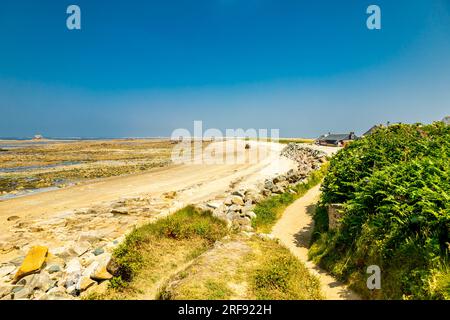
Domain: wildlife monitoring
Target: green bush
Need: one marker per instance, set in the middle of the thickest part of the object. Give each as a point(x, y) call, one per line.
point(386, 146)
point(395, 188)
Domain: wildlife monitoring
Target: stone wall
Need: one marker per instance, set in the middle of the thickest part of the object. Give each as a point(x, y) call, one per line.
point(334, 215)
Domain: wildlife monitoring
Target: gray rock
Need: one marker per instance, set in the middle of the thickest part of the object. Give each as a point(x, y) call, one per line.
point(214, 204)
point(234, 208)
point(25, 281)
point(250, 214)
point(20, 293)
point(120, 210)
point(17, 261)
point(90, 269)
point(6, 270)
point(85, 283)
point(113, 267)
point(237, 200)
point(63, 252)
point(277, 189)
point(269, 185)
point(89, 236)
point(40, 281)
point(254, 198)
point(72, 290)
point(239, 193)
point(53, 268)
point(85, 211)
point(98, 251)
point(73, 273)
point(80, 248)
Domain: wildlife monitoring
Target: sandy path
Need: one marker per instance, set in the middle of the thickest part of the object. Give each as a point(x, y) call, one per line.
point(294, 229)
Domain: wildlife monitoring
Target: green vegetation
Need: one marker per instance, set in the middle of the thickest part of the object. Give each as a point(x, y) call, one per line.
point(152, 251)
point(256, 269)
point(270, 210)
point(281, 276)
point(395, 187)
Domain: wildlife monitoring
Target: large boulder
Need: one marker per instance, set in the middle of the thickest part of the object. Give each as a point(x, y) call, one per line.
point(73, 273)
point(33, 262)
point(100, 272)
point(237, 200)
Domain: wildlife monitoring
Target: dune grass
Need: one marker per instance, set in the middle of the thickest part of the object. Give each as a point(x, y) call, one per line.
point(258, 269)
point(154, 251)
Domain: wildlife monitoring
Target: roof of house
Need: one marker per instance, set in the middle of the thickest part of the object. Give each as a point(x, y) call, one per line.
point(371, 130)
point(446, 120)
point(335, 136)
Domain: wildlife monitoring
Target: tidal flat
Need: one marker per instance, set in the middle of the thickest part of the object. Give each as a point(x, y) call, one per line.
point(28, 166)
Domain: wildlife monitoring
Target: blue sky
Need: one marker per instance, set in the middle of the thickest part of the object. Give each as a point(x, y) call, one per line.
point(145, 68)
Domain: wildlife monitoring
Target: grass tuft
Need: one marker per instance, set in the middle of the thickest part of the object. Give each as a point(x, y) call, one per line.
point(152, 251)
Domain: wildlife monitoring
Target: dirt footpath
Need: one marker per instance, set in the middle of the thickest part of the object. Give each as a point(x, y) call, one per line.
point(294, 229)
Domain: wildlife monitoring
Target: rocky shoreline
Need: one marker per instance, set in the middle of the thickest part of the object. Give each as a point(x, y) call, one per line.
point(237, 207)
point(82, 264)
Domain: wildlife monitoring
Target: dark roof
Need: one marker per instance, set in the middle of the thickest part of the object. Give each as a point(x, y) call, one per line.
point(371, 130)
point(337, 137)
point(446, 120)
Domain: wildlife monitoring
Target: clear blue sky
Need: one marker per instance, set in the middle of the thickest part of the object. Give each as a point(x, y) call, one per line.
point(145, 68)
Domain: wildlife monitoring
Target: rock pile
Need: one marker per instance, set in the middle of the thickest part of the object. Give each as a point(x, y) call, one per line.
point(61, 274)
point(307, 158)
point(237, 207)
point(44, 270)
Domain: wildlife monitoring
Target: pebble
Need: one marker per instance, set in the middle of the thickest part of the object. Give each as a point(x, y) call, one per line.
point(53, 268)
point(98, 251)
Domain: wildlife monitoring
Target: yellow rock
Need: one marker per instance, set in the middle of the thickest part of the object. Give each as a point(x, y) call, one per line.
point(33, 262)
point(96, 290)
point(101, 273)
point(86, 283)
